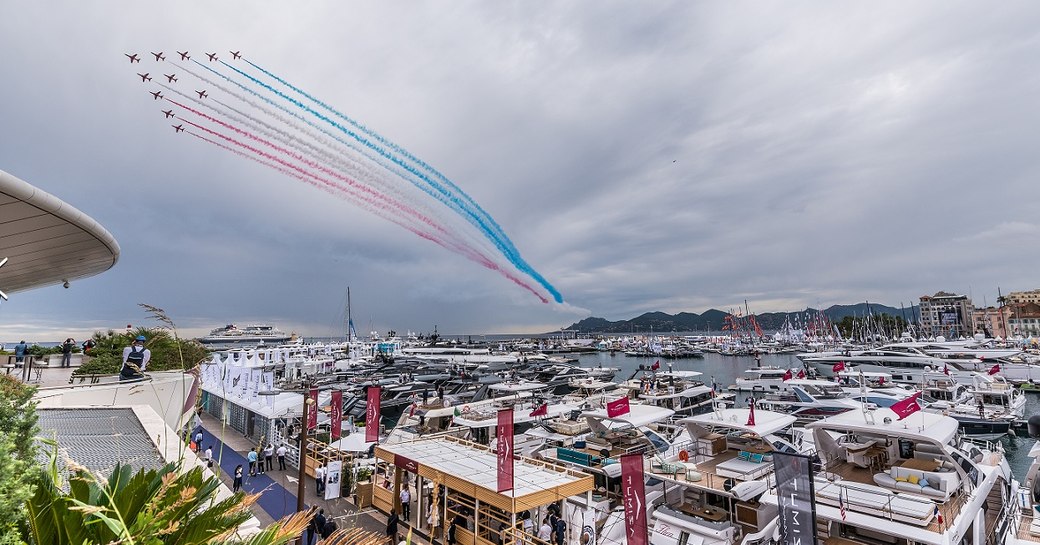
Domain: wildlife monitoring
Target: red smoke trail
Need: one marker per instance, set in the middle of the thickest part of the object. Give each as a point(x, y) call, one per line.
point(379, 211)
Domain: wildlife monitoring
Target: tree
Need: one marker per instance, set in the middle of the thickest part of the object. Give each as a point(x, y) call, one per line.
point(17, 453)
point(147, 507)
point(168, 351)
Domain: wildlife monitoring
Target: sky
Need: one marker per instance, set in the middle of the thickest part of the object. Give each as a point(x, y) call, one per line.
point(665, 156)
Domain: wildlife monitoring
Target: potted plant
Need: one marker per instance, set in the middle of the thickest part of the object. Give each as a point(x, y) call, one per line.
point(363, 489)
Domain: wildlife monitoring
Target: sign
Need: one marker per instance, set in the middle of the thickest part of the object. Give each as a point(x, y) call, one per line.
point(372, 414)
point(633, 495)
point(618, 407)
point(337, 414)
point(795, 495)
point(406, 464)
point(312, 409)
point(504, 433)
point(333, 476)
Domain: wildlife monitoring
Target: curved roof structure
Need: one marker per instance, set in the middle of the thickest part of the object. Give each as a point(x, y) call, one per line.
point(46, 240)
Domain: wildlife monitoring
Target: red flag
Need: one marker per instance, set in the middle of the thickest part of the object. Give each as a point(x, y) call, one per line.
point(618, 407)
point(542, 410)
point(801, 373)
point(995, 369)
point(880, 381)
point(337, 414)
point(946, 369)
point(656, 365)
point(372, 414)
point(751, 415)
point(505, 449)
point(838, 367)
point(907, 406)
point(633, 495)
point(787, 376)
point(312, 409)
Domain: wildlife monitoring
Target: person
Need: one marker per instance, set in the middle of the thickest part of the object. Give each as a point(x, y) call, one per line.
point(450, 537)
point(88, 345)
point(527, 524)
point(209, 456)
point(19, 352)
point(982, 408)
point(237, 485)
point(281, 457)
point(406, 503)
point(252, 462)
point(319, 478)
point(561, 530)
point(66, 352)
point(328, 528)
point(198, 440)
point(259, 462)
point(545, 530)
point(391, 524)
point(316, 526)
point(269, 456)
point(135, 360)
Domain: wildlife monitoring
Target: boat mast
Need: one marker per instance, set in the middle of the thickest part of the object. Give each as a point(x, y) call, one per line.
point(350, 322)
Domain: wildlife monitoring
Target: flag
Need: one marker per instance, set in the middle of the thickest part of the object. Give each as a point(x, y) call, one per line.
point(938, 515)
point(312, 409)
point(907, 406)
point(841, 506)
point(633, 494)
point(457, 412)
point(787, 376)
point(337, 414)
point(542, 410)
point(618, 407)
point(504, 433)
point(801, 373)
point(881, 381)
point(946, 369)
point(995, 369)
point(656, 365)
point(751, 415)
point(372, 414)
point(838, 367)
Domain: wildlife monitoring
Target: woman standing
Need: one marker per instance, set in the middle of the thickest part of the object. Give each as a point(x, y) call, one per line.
point(238, 479)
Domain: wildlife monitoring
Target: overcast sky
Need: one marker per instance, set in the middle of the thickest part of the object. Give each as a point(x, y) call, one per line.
point(641, 156)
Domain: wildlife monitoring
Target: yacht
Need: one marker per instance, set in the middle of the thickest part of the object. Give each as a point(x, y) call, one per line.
point(809, 399)
point(911, 481)
point(904, 362)
point(766, 379)
point(247, 336)
point(1027, 519)
point(679, 391)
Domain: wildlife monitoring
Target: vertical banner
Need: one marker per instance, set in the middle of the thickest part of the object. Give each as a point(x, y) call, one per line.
point(633, 495)
point(372, 414)
point(504, 433)
point(795, 493)
point(337, 414)
point(333, 473)
point(312, 409)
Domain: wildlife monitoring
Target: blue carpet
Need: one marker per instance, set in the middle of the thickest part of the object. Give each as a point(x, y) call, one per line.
point(275, 499)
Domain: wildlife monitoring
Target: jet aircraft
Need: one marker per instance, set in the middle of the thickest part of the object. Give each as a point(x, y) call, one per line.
point(158, 56)
point(178, 128)
point(212, 56)
point(144, 77)
point(169, 113)
point(170, 78)
point(236, 55)
point(202, 94)
point(184, 56)
point(133, 58)
point(156, 95)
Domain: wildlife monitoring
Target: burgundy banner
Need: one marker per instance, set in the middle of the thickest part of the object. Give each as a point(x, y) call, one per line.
point(634, 496)
point(312, 409)
point(406, 464)
point(337, 414)
point(618, 407)
point(372, 414)
point(505, 449)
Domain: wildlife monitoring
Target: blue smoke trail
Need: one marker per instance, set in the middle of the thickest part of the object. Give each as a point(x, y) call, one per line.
point(453, 202)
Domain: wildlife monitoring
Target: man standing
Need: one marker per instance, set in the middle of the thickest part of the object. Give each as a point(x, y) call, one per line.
point(252, 462)
point(135, 360)
point(319, 478)
point(66, 352)
point(406, 504)
point(316, 526)
point(281, 457)
point(259, 462)
point(198, 440)
point(19, 352)
point(269, 456)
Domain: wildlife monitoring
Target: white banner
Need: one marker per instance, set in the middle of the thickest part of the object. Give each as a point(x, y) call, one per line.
point(333, 477)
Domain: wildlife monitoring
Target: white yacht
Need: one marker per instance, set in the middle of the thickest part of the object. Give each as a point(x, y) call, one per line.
point(246, 336)
point(766, 379)
point(905, 362)
point(909, 481)
point(679, 391)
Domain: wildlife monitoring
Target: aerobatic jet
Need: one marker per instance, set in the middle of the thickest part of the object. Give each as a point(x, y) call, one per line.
point(144, 77)
point(158, 56)
point(178, 128)
point(212, 56)
point(236, 55)
point(184, 56)
point(202, 94)
point(169, 113)
point(156, 94)
point(133, 58)
point(170, 78)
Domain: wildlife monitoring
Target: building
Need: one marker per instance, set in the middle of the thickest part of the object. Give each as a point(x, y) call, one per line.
point(992, 321)
point(1024, 319)
point(1021, 297)
point(947, 314)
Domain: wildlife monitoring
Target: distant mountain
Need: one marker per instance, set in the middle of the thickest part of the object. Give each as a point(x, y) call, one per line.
point(713, 319)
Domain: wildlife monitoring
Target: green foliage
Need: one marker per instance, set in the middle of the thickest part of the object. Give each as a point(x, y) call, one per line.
point(17, 453)
point(168, 352)
point(863, 327)
point(149, 507)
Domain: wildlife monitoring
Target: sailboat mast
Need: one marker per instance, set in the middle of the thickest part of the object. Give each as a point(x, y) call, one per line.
point(349, 321)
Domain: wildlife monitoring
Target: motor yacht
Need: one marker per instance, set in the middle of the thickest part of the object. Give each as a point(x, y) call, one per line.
point(904, 362)
point(766, 379)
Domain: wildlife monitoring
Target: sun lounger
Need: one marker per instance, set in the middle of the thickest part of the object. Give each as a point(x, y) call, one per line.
point(865, 498)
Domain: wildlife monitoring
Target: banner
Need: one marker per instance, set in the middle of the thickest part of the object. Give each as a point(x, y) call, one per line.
point(337, 414)
point(795, 493)
point(633, 495)
point(504, 433)
point(333, 476)
point(372, 414)
point(618, 407)
point(312, 409)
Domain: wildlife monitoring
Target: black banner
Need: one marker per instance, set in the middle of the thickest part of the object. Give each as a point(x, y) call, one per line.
point(795, 494)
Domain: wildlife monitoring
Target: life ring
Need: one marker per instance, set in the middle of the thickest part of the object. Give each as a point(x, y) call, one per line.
point(684, 456)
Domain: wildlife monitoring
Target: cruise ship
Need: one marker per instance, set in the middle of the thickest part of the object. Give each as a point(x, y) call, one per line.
point(251, 335)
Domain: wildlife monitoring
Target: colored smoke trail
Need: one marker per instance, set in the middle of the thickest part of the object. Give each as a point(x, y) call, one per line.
point(449, 199)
